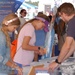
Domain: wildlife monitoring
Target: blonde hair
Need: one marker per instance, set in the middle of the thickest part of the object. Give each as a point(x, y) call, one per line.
point(12, 19)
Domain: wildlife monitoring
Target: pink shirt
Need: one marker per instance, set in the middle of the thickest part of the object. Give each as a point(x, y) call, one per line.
point(25, 57)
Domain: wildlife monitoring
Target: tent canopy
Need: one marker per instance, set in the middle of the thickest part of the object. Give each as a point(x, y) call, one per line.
point(27, 5)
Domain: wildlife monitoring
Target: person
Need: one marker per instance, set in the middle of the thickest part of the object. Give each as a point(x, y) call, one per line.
point(23, 13)
point(66, 12)
point(40, 38)
point(49, 41)
point(60, 32)
point(26, 40)
point(9, 24)
point(60, 29)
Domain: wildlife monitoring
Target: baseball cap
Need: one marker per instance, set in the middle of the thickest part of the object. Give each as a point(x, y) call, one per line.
point(45, 22)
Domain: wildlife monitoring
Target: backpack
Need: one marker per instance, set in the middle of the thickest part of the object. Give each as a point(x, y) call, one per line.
point(13, 49)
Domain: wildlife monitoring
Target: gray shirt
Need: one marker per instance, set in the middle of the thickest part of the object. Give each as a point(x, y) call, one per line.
point(71, 28)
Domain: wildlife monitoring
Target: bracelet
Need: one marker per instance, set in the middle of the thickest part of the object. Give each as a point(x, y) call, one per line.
point(57, 61)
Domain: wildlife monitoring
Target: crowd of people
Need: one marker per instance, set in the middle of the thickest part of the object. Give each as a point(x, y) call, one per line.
point(36, 39)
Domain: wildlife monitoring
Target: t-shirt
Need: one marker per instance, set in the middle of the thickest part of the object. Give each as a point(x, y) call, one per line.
point(71, 28)
point(40, 37)
point(25, 57)
point(22, 20)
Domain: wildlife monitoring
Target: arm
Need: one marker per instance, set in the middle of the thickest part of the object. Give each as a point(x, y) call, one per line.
point(5, 55)
point(35, 57)
point(15, 66)
point(27, 46)
point(65, 49)
point(72, 49)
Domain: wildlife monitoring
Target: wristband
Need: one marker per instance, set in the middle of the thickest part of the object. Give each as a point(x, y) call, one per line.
point(38, 48)
point(57, 61)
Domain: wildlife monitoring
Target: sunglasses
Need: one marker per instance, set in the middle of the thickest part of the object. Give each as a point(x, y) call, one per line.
point(25, 12)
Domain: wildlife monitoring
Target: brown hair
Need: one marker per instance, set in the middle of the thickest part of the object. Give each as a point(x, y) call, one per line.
point(44, 17)
point(66, 8)
point(39, 15)
point(14, 22)
point(22, 11)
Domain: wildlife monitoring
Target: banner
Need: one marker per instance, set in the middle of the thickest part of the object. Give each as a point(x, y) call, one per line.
point(5, 8)
point(17, 4)
point(8, 6)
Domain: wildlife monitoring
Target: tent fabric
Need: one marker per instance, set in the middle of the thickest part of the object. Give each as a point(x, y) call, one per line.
point(26, 6)
point(29, 5)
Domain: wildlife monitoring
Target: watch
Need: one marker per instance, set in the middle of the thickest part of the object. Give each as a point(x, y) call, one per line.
point(57, 61)
point(38, 48)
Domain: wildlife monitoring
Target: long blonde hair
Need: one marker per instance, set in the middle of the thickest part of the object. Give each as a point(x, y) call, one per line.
point(14, 20)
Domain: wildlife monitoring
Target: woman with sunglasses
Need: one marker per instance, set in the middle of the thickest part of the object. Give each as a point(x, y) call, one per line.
point(23, 13)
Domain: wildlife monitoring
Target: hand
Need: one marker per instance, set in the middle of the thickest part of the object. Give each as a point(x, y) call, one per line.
point(45, 50)
point(42, 51)
point(37, 52)
point(53, 66)
point(19, 71)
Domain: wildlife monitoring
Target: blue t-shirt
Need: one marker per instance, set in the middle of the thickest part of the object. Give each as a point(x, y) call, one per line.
point(40, 37)
point(71, 28)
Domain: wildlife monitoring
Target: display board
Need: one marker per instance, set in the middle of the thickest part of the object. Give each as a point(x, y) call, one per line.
point(5, 8)
point(8, 6)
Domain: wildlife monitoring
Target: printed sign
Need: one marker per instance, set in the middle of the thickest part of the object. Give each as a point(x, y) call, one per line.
point(8, 6)
point(5, 8)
